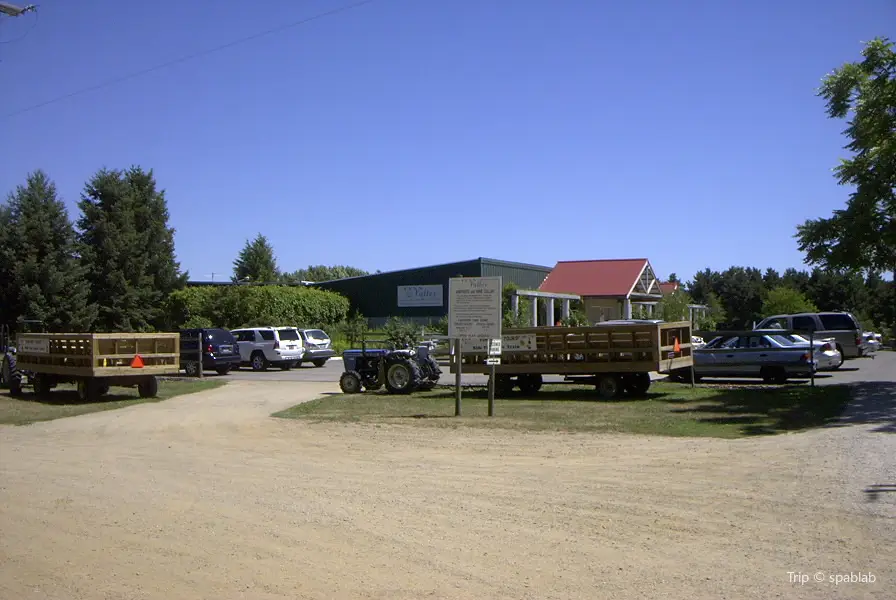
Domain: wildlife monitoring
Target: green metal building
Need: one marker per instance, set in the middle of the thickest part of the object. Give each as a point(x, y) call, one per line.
point(421, 294)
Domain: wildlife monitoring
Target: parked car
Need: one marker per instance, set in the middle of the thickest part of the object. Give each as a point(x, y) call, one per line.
point(220, 351)
point(870, 343)
point(262, 347)
point(827, 355)
point(318, 347)
point(842, 326)
point(762, 354)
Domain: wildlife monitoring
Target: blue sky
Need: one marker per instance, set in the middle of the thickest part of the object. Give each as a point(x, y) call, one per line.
point(408, 132)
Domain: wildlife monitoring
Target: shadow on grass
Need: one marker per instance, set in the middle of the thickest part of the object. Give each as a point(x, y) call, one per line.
point(770, 410)
point(69, 397)
point(573, 394)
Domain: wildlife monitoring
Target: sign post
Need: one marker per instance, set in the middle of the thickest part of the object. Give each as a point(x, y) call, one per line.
point(474, 312)
point(494, 358)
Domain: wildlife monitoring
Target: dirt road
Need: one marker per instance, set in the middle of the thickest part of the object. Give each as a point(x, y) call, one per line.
point(206, 496)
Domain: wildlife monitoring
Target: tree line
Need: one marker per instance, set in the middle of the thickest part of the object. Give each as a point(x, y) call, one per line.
point(257, 263)
point(114, 267)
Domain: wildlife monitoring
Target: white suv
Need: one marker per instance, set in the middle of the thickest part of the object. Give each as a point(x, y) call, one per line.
point(261, 347)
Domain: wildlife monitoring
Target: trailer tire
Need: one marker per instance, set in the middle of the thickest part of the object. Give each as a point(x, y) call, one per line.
point(149, 387)
point(637, 384)
point(609, 387)
point(503, 386)
point(11, 375)
point(88, 390)
point(530, 383)
point(42, 384)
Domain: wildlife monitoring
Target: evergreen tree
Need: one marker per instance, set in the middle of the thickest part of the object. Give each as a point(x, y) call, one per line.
point(256, 262)
point(128, 249)
point(9, 309)
point(47, 279)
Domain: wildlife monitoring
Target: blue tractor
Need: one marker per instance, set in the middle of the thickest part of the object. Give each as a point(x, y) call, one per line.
point(401, 371)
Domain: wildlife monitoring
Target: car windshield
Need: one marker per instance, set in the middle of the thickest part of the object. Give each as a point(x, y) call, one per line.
point(288, 334)
point(316, 335)
point(786, 339)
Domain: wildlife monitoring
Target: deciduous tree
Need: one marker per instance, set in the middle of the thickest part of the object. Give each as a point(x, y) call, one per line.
point(863, 234)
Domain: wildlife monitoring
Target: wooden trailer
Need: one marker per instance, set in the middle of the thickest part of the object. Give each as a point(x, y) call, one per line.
point(616, 358)
point(95, 361)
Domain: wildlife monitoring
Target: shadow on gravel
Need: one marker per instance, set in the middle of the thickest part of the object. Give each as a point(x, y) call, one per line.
point(873, 492)
point(873, 403)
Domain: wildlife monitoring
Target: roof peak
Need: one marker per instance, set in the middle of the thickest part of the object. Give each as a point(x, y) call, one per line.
point(591, 260)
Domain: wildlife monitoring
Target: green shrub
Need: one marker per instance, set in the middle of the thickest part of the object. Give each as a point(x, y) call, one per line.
point(401, 333)
point(248, 306)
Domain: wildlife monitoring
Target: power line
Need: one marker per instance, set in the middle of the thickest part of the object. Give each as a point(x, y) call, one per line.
point(189, 57)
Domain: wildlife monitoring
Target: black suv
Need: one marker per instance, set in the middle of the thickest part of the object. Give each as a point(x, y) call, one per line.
point(220, 350)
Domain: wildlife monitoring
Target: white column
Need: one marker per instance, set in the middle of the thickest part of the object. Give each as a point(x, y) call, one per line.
point(627, 308)
point(550, 313)
point(564, 308)
point(515, 305)
point(534, 311)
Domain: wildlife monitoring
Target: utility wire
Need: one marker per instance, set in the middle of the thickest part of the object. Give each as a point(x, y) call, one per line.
point(189, 57)
point(27, 31)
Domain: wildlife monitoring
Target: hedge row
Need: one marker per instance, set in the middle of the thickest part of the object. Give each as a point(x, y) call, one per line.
point(251, 306)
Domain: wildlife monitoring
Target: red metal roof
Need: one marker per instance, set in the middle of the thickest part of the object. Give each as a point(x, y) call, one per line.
point(668, 287)
point(607, 277)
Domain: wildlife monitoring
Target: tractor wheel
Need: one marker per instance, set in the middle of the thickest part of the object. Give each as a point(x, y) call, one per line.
point(609, 387)
point(350, 382)
point(637, 384)
point(11, 375)
point(402, 375)
point(530, 383)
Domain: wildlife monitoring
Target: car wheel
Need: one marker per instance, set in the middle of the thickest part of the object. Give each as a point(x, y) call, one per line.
point(259, 362)
point(223, 370)
point(192, 368)
point(320, 362)
point(842, 359)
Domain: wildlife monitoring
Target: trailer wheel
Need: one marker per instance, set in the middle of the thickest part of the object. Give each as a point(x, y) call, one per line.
point(11, 375)
point(609, 386)
point(88, 390)
point(503, 386)
point(637, 383)
point(149, 387)
point(42, 384)
point(530, 383)
point(350, 382)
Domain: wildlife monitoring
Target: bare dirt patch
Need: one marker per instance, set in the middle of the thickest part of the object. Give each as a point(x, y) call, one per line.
point(207, 496)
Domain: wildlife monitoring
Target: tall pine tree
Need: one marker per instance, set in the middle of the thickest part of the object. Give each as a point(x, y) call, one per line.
point(256, 262)
point(128, 249)
point(46, 279)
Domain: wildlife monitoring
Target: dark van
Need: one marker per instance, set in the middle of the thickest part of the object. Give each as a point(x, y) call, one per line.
point(220, 352)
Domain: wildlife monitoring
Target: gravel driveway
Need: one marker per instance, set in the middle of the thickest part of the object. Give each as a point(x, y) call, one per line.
point(206, 496)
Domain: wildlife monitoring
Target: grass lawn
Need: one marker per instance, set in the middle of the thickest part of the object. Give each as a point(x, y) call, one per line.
point(63, 401)
point(668, 409)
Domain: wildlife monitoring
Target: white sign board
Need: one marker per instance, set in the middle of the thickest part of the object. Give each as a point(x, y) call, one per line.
point(420, 295)
point(494, 347)
point(509, 343)
point(33, 346)
point(474, 307)
point(493, 360)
